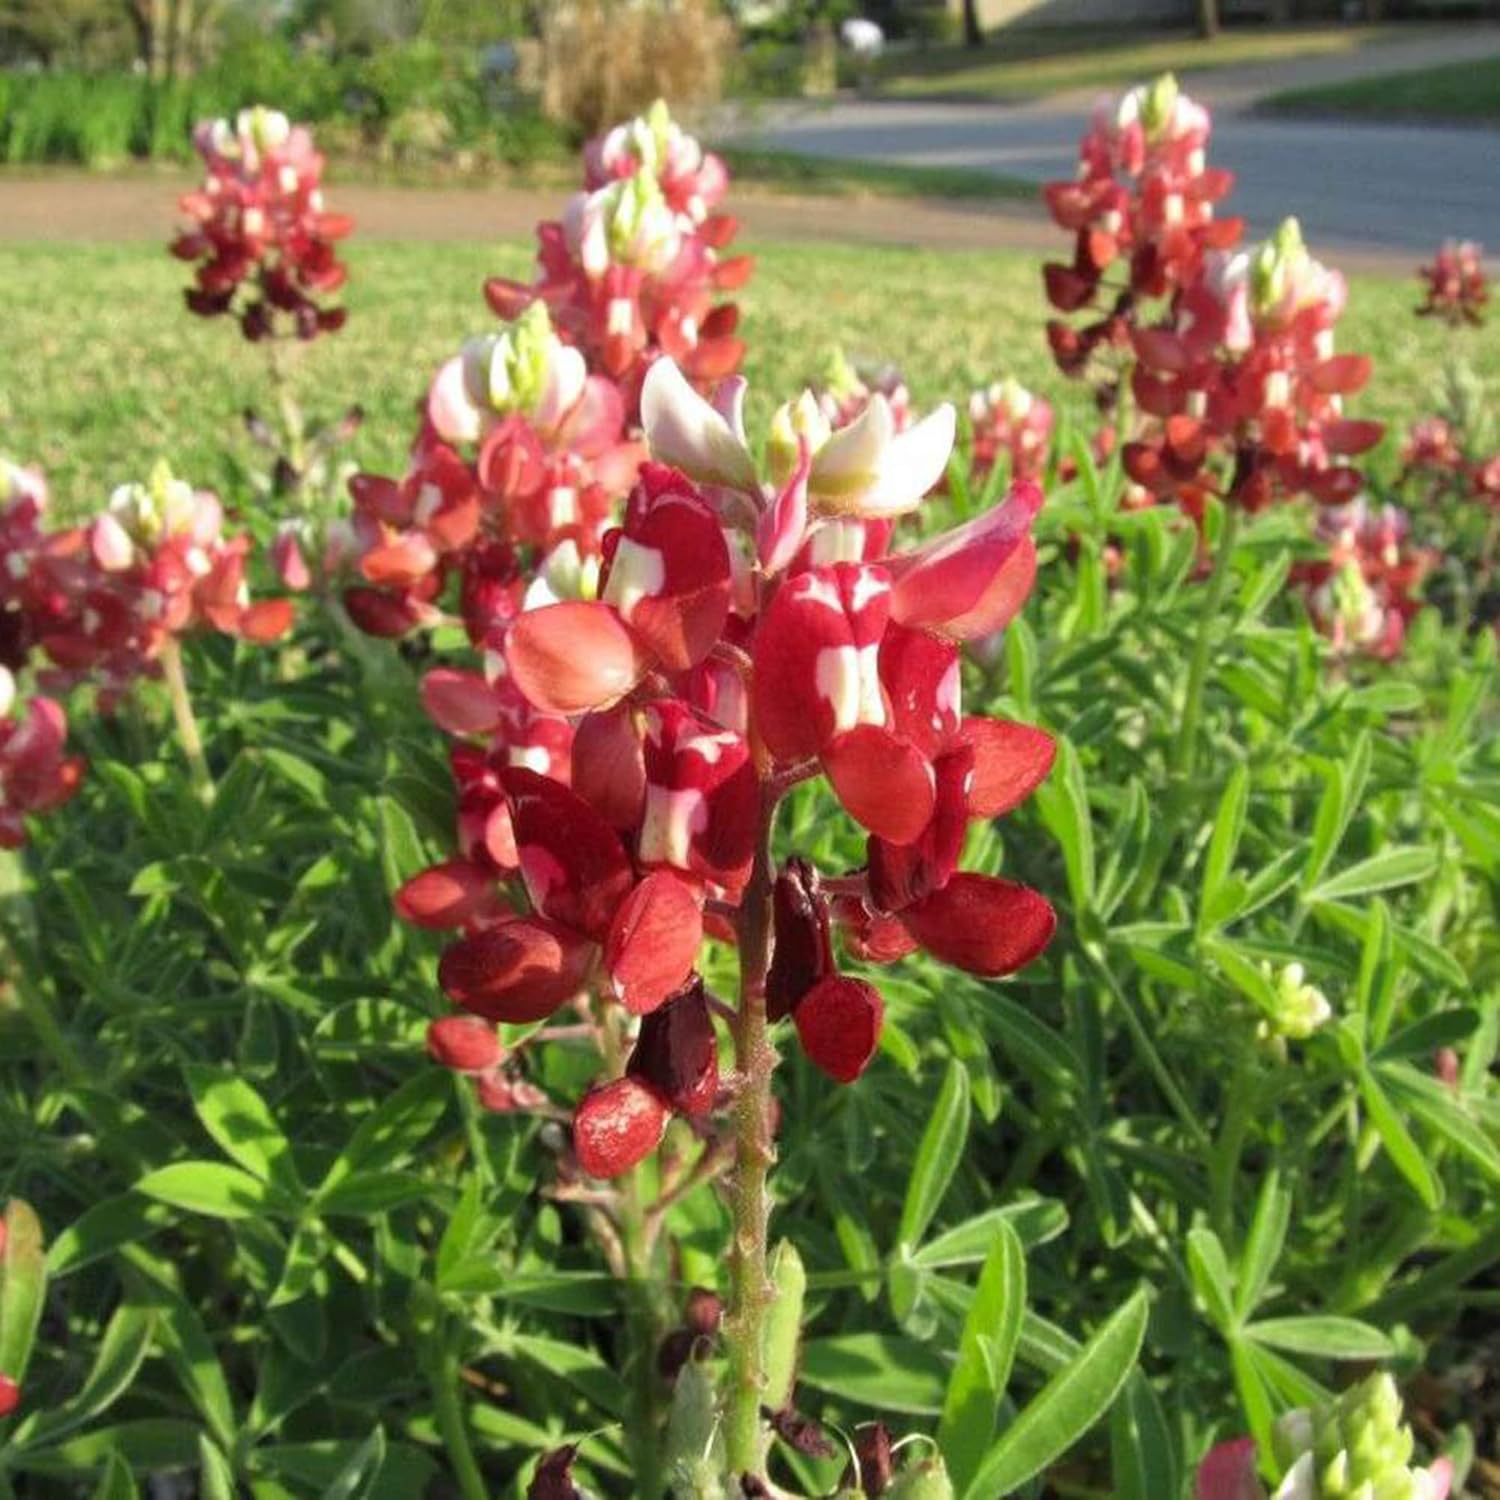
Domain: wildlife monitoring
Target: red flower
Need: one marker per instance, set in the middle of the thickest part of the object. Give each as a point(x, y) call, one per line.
point(1455, 285)
point(261, 240)
point(36, 775)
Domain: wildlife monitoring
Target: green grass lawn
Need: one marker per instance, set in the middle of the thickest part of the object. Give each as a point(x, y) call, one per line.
point(1458, 91)
point(106, 371)
point(1032, 64)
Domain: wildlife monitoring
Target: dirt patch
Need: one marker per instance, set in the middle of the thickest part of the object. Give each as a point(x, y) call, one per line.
point(113, 209)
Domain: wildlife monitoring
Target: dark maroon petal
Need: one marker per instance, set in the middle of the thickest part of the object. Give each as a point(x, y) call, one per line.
point(677, 1052)
point(575, 867)
point(803, 950)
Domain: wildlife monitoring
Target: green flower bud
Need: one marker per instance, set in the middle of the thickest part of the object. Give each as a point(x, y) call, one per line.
point(1301, 1008)
point(1159, 104)
point(783, 1326)
point(1356, 1448)
point(800, 419)
point(1276, 268)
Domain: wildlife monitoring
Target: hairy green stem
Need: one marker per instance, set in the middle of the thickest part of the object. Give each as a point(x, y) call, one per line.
point(1224, 1165)
point(187, 721)
point(1185, 747)
point(293, 423)
point(751, 1291)
point(449, 1412)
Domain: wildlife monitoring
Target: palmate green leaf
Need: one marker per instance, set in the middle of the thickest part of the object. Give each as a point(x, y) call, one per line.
point(1256, 1398)
point(1212, 1279)
point(986, 1352)
point(398, 1126)
point(1322, 1337)
point(183, 1338)
point(938, 1154)
point(215, 1476)
point(1063, 802)
point(1442, 1113)
point(1445, 1028)
point(23, 1288)
point(152, 1443)
point(1398, 866)
point(1035, 1221)
point(1067, 1406)
point(1263, 1244)
point(883, 1372)
point(369, 1193)
point(357, 1477)
point(1405, 1154)
point(125, 1344)
point(1143, 1458)
point(104, 1228)
point(1341, 794)
point(1223, 844)
point(215, 1189)
point(406, 1471)
point(242, 1125)
point(116, 1482)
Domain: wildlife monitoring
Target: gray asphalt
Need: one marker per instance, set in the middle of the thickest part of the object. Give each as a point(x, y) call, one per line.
point(1379, 187)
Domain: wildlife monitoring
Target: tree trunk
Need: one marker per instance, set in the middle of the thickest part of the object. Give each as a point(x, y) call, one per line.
point(973, 32)
point(1208, 18)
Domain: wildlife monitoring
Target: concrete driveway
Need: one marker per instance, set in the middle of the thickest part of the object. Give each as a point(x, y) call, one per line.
point(1371, 187)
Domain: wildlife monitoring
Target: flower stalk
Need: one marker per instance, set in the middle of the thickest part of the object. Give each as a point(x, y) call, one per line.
point(1185, 747)
point(187, 720)
point(755, 1058)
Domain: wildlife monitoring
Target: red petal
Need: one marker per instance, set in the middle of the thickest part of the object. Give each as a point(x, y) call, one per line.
point(968, 582)
point(982, 924)
point(519, 971)
point(653, 942)
point(568, 658)
point(1228, 1473)
point(1349, 437)
point(452, 894)
point(267, 621)
point(575, 867)
point(1010, 762)
point(464, 1043)
point(669, 576)
point(609, 771)
point(617, 1126)
point(1342, 374)
point(884, 782)
point(460, 702)
point(806, 654)
point(838, 1023)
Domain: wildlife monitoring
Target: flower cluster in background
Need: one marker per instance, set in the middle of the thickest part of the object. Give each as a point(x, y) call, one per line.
point(1141, 210)
point(262, 243)
point(1456, 288)
point(98, 604)
point(634, 267)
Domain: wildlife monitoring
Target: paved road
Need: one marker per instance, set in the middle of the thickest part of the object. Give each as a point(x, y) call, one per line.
point(1372, 187)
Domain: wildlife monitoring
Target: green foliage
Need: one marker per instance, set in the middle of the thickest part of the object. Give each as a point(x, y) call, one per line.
point(365, 103)
point(1095, 1215)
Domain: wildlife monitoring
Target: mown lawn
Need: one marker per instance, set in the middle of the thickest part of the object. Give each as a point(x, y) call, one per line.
point(105, 370)
point(1458, 91)
point(1032, 64)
